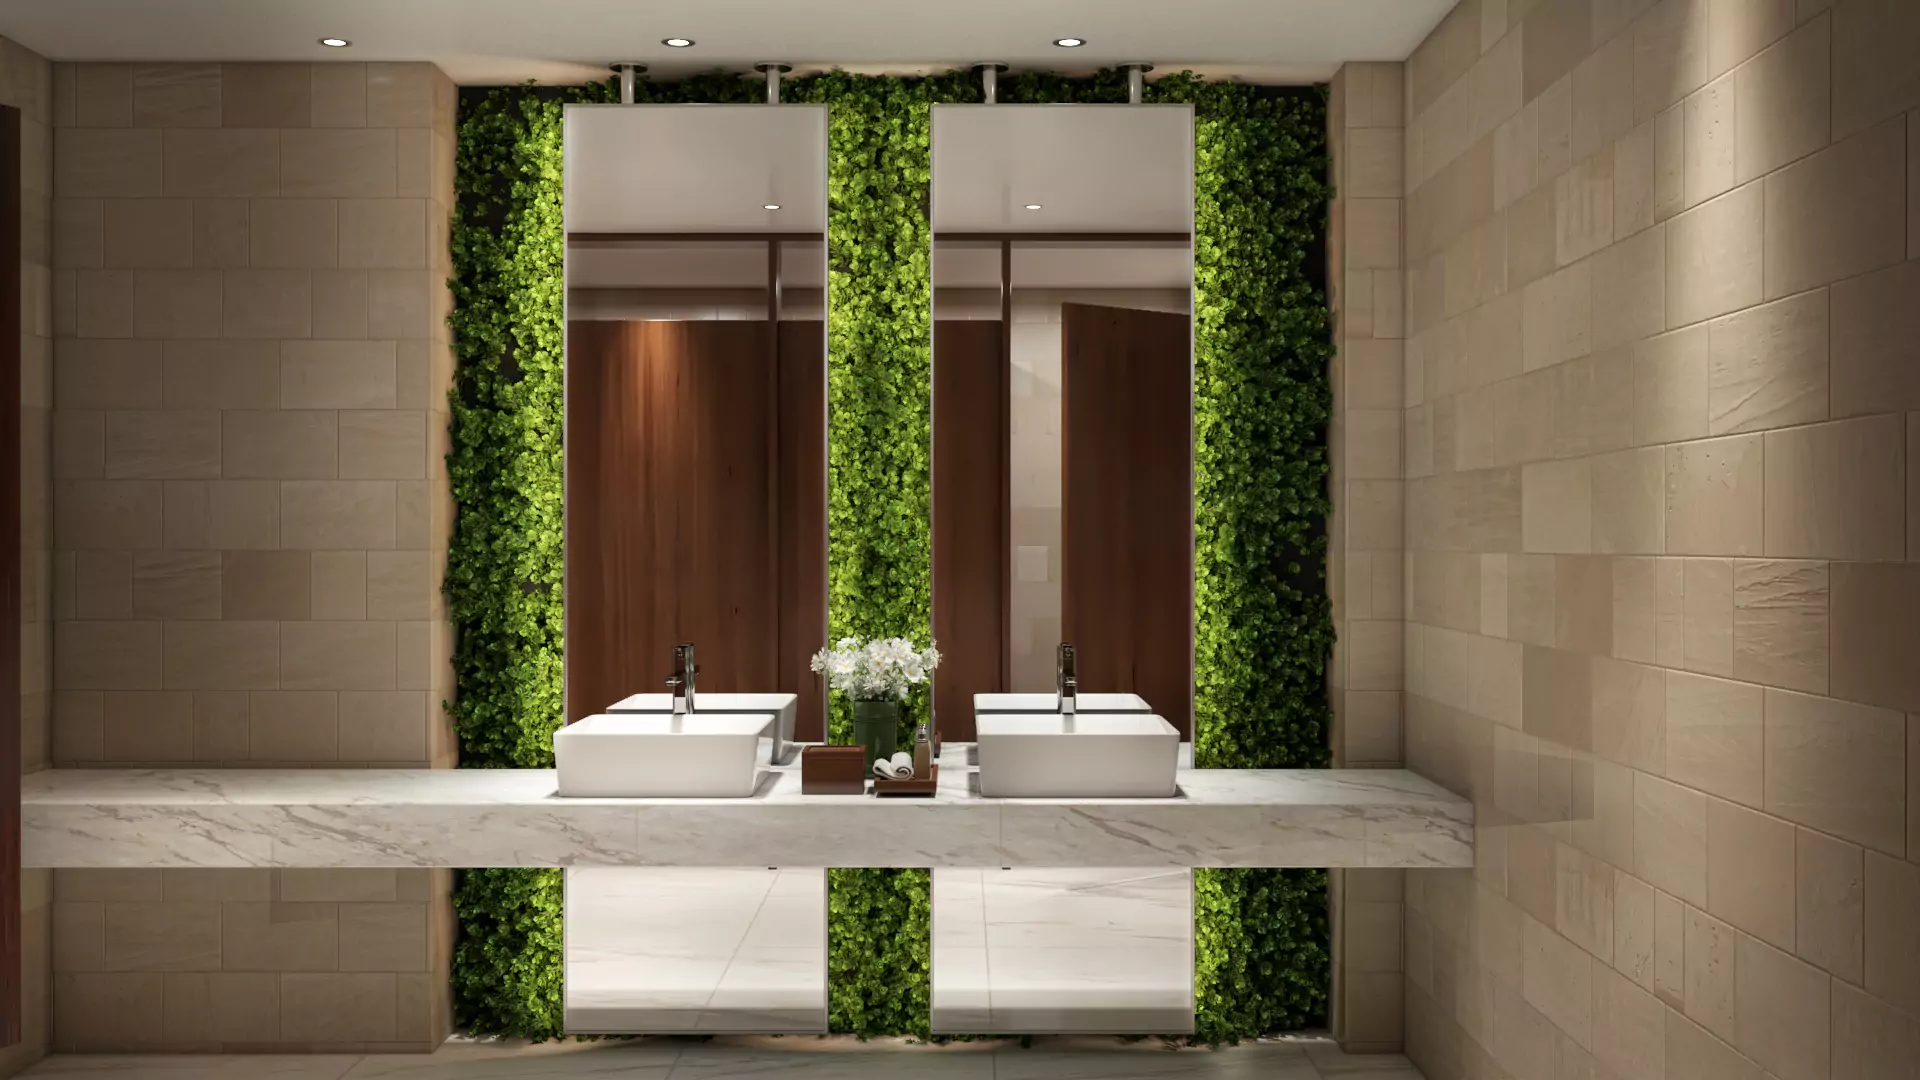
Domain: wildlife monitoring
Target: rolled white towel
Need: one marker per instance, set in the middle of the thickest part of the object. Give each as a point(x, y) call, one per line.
point(898, 767)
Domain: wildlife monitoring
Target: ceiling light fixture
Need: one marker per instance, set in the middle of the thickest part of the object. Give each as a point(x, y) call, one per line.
point(1069, 42)
point(677, 42)
point(335, 42)
point(771, 206)
point(1033, 206)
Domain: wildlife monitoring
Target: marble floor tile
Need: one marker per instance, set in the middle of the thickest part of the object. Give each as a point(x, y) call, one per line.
point(195, 1067)
point(1151, 1061)
point(637, 1063)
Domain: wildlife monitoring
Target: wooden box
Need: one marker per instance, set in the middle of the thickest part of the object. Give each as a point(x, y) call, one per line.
point(833, 770)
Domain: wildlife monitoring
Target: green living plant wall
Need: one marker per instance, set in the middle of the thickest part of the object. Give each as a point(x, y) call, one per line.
point(1262, 623)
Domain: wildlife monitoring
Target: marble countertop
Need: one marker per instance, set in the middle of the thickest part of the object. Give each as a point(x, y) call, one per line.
point(512, 817)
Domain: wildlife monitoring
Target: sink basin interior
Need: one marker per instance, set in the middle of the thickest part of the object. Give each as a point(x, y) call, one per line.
point(643, 724)
point(1050, 703)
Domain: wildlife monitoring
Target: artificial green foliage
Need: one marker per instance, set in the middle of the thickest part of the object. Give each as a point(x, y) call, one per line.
point(1262, 624)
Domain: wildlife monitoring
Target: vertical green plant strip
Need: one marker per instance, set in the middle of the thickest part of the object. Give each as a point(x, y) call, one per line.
point(1262, 622)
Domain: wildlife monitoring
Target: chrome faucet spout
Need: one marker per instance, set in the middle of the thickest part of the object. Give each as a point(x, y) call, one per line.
point(681, 681)
point(1066, 682)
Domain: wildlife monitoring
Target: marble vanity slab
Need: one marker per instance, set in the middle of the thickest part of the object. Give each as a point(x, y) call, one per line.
point(75, 818)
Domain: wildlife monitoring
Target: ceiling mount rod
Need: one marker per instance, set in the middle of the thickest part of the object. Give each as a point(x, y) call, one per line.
point(628, 70)
point(1136, 82)
point(990, 79)
point(772, 71)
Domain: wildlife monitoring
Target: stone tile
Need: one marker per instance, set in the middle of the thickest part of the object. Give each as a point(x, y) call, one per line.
point(1695, 1053)
point(1636, 610)
point(176, 936)
point(1530, 600)
point(1633, 184)
point(107, 1011)
point(1834, 491)
point(1557, 317)
point(265, 95)
point(1630, 290)
point(104, 303)
point(337, 374)
point(176, 95)
point(1629, 501)
point(1555, 979)
point(269, 303)
point(1872, 81)
point(145, 234)
point(294, 726)
point(1837, 767)
point(338, 95)
point(176, 585)
point(345, 885)
point(338, 514)
point(160, 444)
point(1670, 837)
point(1875, 322)
point(1714, 497)
point(220, 228)
point(221, 655)
point(339, 163)
point(106, 514)
point(220, 375)
point(102, 95)
point(1681, 45)
point(1709, 140)
point(1783, 1012)
point(78, 233)
point(1712, 973)
point(1373, 237)
point(210, 162)
point(280, 937)
point(227, 514)
point(1835, 214)
point(383, 937)
point(1629, 1025)
point(1714, 256)
point(1583, 604)
point(1870, 1037)
point(1783, 101)
point(399, 303)
point(177, 303)
point(281, 444)
point(1830, 904)
point(1583, 208)
point(294, 233)
point(1630, 714)
point(225, 1007)
point(1530, 238)
point(1593, 404)
point(1768, 365)
point(1874, 635)
point(106, 162)
point(340, 303)
point(265, 585)
point(391, 725)
point(1583, 904)
point(339, 585)
point(1671, 387)
point(352, 1008)
point(1893, 936)
point(1602, 95)
point(1670, 613)
point(1781, 624)
point(400, 94)
point(339, 656)
point(402, 585)
point(1556, 506)
point(151, 727)
point(1750, 871)
point(1706, 607)
point(1715, 736)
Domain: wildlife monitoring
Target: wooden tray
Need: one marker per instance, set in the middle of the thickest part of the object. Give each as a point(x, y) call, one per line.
point(915, 786)
point(833, 770)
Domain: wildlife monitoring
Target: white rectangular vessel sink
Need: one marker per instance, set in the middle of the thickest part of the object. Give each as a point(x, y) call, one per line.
point(1050, 703)
point(783, 707)
point(1087, 756)
point(707, 755)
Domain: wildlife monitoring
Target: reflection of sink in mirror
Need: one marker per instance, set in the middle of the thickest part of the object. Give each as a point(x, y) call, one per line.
point(781, 709)
point(1091, 755)
point(706, 755)
point(1050, 703)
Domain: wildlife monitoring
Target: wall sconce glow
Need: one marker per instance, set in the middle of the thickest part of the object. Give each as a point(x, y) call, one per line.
point(335, 42)
point(1033, 206)
point(1069, 42)
point(677, 42)
point(771, 206)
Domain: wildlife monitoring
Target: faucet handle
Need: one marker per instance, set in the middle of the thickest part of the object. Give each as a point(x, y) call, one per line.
point(675, 681)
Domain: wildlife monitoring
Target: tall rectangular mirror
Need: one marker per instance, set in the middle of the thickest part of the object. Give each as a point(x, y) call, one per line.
point(1063, 513)
point(695, 515)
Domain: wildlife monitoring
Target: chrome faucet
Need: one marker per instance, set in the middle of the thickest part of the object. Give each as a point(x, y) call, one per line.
point(1066, 683)
point(681, 681)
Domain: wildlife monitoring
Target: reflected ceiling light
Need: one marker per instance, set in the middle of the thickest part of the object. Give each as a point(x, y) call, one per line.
point(677, 42)
point(1069, 42)
point(335, 42)
point(1033, 206)
point(771, 206)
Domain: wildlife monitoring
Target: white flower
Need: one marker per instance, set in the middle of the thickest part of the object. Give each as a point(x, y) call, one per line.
point(877, 670)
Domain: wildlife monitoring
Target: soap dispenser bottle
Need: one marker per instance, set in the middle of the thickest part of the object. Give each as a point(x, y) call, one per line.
point(922, 753)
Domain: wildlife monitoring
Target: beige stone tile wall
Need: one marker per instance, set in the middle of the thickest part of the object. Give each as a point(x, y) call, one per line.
point(250, 521)
point(1663, 514)
point(26, 83)
point(1365, 559)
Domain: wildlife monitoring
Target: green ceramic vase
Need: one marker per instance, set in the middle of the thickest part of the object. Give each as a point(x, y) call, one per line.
point(876, 728)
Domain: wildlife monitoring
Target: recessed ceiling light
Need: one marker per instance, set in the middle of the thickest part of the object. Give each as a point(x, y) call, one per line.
point(771, 206)
point(1069, 42)
point(677, 42)
point(335, 42)
point(1033, 206)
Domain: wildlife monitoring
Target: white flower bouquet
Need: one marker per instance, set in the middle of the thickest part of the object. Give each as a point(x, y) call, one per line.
point(883, 669)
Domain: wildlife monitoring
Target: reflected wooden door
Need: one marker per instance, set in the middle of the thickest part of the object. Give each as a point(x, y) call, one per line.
point(11, 975)
point(671, 507)
point(970, 518)
point(1126, 588)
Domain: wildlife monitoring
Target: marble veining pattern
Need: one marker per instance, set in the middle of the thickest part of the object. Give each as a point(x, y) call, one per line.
point(512, 817)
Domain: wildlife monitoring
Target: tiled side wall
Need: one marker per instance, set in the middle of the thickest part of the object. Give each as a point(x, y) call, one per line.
point(1366, 545)
point(26, 83)
point(250, 521)
point(1663, 459)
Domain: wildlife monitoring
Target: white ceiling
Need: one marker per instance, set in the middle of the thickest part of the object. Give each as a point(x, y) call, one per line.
point(1090, 168)
point(481, 42)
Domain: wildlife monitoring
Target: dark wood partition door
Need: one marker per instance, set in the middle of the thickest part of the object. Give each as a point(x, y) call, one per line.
point(970, 533)
point(11, 975)
point(1127, 504)
point(672, 501)
point(802, 466)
